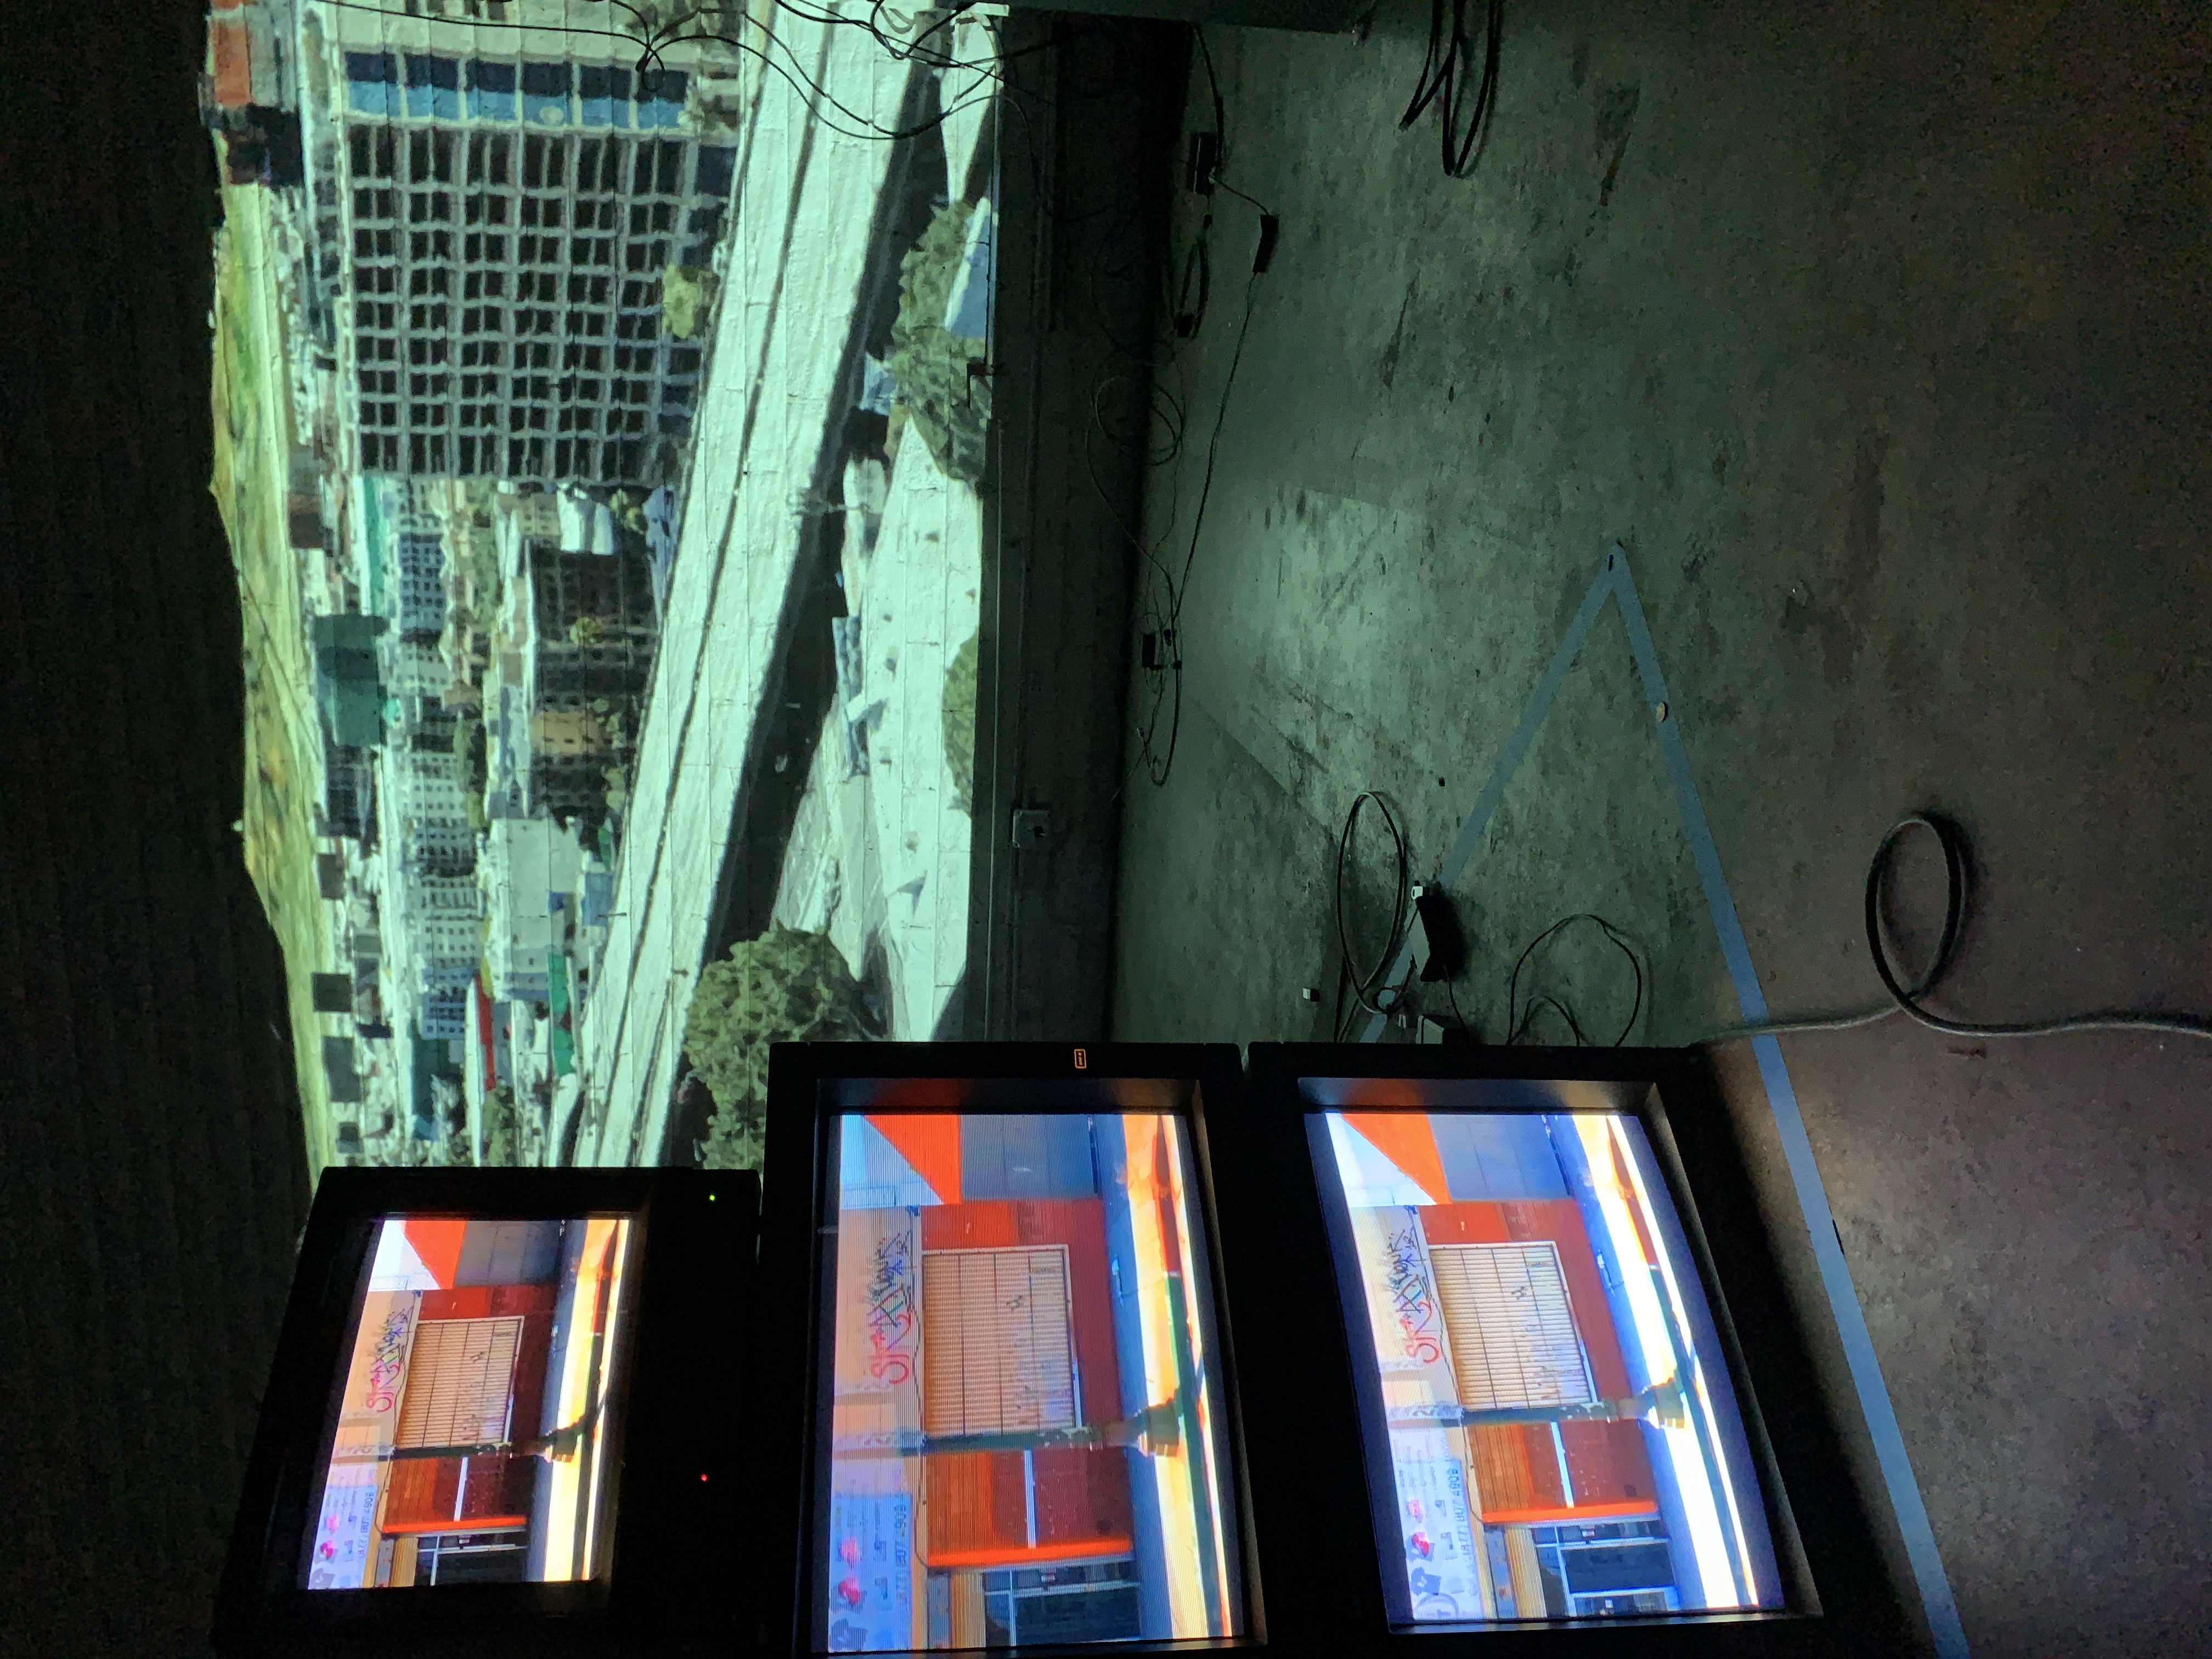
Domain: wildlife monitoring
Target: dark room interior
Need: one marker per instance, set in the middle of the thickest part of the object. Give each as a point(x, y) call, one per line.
point(1688, 441)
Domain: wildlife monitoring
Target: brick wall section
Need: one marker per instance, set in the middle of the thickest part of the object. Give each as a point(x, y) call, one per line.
point(152, 1175)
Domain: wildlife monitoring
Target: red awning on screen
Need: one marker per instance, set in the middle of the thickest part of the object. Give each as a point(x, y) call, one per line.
point(930, 1142)
point(1407, 1140)
point(437, 1245)
point(486, 1038)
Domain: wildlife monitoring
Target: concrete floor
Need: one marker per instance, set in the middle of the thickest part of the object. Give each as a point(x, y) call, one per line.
point(1878, 337)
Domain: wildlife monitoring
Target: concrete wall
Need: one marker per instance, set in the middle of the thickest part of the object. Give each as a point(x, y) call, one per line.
point(1079, 253)
point(152, 1168)
point(1879, 335)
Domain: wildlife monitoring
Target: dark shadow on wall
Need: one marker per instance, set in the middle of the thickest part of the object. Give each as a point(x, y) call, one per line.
point(152, 1169)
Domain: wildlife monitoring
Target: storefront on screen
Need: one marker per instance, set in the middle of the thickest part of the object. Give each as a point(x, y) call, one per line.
point(472, 1428)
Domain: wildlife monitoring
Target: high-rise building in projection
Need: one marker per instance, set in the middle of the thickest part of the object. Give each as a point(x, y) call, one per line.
point(499, 195)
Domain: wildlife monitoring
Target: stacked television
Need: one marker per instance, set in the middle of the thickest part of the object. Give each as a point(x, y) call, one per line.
point(1350, 1351)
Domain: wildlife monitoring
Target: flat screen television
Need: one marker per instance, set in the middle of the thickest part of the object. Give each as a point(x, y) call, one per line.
point(1534, 1289)
point(1012, 1394)
point(500, 1405)
point(482, 1401)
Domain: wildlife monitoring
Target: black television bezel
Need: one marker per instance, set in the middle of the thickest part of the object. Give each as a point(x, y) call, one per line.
point(978, 1077)
point(675, 1517)
point(1840, 1597)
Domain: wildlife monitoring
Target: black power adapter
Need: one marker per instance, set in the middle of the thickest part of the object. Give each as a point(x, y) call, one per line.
point(1440, 926)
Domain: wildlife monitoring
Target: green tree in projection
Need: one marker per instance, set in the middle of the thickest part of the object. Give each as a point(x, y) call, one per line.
point(947, 405)
point(502, 1128)
point(787, 985)
point(960, 722)
point(687, 299)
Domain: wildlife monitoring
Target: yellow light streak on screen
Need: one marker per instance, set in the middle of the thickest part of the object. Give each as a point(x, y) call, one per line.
point(1169, 1471)
point(1699, 1379)
point(1708, 1541)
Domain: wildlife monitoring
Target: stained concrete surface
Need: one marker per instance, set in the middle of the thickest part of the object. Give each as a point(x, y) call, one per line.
point(1877, 336)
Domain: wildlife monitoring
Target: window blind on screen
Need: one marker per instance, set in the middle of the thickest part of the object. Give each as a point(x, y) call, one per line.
point(1508, 1325)
point(460, 1379)
point(995, 1349)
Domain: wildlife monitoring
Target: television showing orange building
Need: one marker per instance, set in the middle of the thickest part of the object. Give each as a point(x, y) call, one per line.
point(479, 1400)
point(1028, 1430)
point(1557, 1434)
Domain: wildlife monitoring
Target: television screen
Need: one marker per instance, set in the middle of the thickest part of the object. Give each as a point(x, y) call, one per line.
point(475, 1405)
point(1026, 1434)
point(1549, 1426)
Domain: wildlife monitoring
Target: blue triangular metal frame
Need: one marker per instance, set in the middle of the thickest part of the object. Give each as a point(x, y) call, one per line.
point(1614, 581)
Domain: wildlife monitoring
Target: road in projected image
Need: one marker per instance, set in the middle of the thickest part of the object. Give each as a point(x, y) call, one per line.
point(476, 1407)
point(1549, 1418)
point(1027, 1437)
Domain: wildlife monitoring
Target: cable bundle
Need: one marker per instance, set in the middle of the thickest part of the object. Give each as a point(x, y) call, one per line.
point(1445, 73)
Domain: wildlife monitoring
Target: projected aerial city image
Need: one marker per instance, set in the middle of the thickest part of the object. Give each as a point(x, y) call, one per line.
point(476, 1406)
point(1027, 1442)
point(1558, 1437)
point(599, 439)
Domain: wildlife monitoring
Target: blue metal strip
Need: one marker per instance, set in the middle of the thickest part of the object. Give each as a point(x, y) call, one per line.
point(1509, 762)
point(1943, 1608)
point(1614, 581)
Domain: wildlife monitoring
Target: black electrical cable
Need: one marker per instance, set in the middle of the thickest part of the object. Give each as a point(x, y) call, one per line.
point(1187, 308)
point(1452, 996)
point(1517, 1020)
point(1363, 986)
point(1213, 86)
point(1160, 764)
point(653, 42)
point(1213, 443)
point(1444, 73)
point(799, 80)
point(1196, 288)
point(1398, 995)
point(1906, 1000)
point(1566, 1013)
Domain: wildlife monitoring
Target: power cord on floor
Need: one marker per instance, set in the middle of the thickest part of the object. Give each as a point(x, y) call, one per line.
point(1369, 994)
point(1517, 1019)
point(1907, 998)
point(1159, 760)
point(1161, 620)
point(1364, 987)
point(1459, 1019)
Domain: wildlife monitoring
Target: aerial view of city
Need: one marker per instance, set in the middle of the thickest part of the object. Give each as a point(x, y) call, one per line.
point(599, 424)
